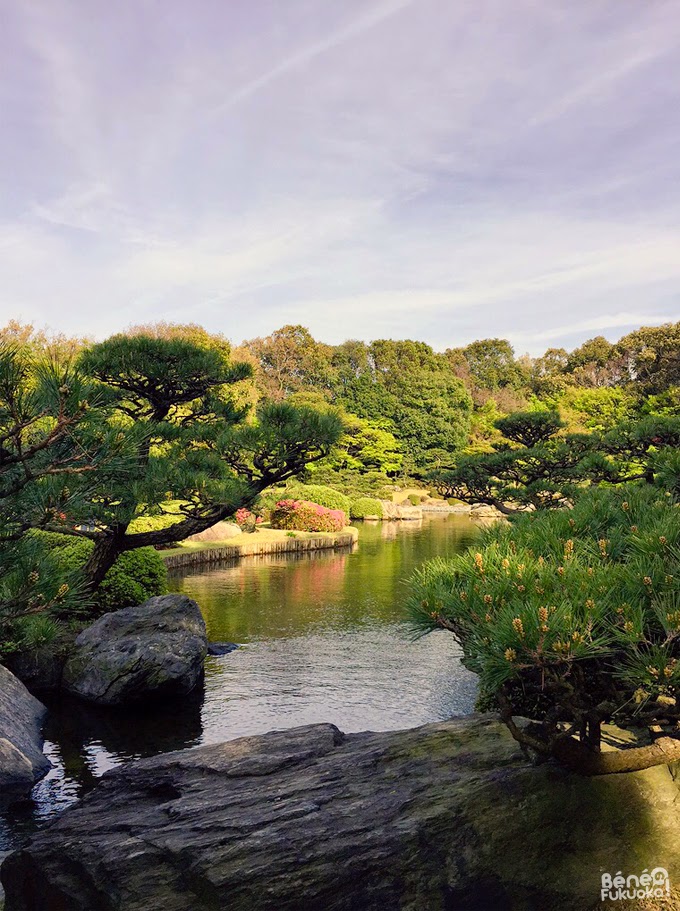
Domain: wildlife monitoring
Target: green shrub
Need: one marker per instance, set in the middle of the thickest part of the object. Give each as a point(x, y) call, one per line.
point(365, 506)
point(452, 501)
point(136, 575)
point(570, 617)
point(414, 499)
point(351, 483)
point(36, 631)
point(152, 523)
point(324, 496)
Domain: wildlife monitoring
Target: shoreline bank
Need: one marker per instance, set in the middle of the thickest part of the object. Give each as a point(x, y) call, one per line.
point(216, 552)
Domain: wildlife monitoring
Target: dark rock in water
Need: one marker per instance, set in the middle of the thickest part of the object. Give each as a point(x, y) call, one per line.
point(152, 651)
point(22, 762)
point(446, 817)
point(222, 648)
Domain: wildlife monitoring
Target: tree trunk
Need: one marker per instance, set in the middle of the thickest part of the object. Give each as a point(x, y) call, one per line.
point(106, 551)
point(585, 757)
point(585, 761)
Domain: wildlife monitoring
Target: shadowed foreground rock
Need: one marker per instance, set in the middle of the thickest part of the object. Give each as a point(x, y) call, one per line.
point(22, 761)
point(442, 817)
point(139, 653)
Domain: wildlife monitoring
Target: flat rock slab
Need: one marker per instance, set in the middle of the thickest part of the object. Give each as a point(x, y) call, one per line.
point(446, 817)
point(152, 651)
point(22, 762)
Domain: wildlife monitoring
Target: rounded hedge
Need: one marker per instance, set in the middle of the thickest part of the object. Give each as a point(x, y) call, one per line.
point(136, 575)
point(324, 496)
point(364, 507)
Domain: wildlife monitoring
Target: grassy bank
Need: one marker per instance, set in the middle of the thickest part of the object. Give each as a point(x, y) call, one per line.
point(263, 541)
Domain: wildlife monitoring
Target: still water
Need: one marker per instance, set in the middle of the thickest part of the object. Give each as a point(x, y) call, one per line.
point(323, 637)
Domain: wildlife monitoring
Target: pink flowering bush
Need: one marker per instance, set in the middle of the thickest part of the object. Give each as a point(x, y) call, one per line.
point(246, 520)
point(300, 515)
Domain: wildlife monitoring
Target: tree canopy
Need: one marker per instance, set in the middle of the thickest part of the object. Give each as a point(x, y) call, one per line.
point(572, 619)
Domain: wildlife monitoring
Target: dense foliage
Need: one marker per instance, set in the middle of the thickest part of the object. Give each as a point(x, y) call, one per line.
point(160, 432)
point(173, 398)
point(134, 577)
point(323, 496)
point(403, 397)
point(545, 471)
point(143, 440)
point(572, 618)
point(364, 507)
point(53, 449)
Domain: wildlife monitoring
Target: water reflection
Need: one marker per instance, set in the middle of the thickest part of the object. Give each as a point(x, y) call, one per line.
point(83, 742)
point(323, 638)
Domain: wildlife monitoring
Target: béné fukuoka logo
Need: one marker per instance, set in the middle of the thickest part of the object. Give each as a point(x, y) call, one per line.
point(656, 884)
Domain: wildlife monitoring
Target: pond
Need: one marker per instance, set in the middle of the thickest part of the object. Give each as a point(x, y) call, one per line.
point(323, 636)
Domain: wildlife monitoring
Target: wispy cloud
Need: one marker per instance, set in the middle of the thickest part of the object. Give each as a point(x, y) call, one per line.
point(357, 26)
point(609, 323)
point(424, 169)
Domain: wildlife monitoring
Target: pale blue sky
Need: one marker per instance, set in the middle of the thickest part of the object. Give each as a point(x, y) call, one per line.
point(432, 169)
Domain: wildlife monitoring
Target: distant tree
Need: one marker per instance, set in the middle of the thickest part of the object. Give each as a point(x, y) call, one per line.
point(53, 345)
point(651, 357)
point(595, 351)
point(549, 373)
point(491, 363)
point(595, 363)
point(290, 360)
point(596, 408)
point(407, 384)
point(544, 476)
point(545, 470)
point(366, 446)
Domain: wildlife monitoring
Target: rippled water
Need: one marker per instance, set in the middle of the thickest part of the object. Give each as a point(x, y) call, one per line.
point(323, 637)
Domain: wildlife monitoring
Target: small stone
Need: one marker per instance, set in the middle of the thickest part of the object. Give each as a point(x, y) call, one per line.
point(222, 648)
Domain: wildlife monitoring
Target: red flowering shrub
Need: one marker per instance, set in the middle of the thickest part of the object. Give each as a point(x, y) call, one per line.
point(300, 515)
point(246, 520)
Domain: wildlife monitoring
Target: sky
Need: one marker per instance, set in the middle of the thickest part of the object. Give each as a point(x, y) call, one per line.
point(444, 170)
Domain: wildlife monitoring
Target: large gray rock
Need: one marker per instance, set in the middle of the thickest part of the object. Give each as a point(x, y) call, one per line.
point(152, 651)
point(400, 511)
point(22, 762)
point(222, 531)
point(447, 817)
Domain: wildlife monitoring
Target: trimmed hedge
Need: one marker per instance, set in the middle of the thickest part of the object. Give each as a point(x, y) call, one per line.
point(365, 506)
point(136, 575)
point(324, 496)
